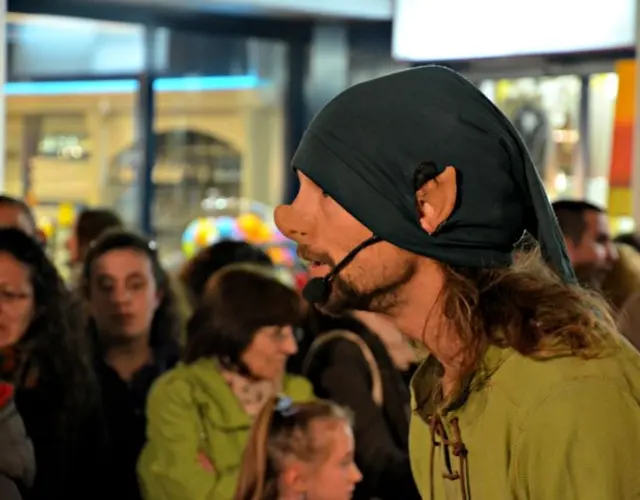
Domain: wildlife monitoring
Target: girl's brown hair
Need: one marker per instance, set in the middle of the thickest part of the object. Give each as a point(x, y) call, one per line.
point(282, 430)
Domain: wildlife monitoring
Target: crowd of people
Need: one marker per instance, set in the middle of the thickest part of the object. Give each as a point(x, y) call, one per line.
point(128, 382)
point(222, 383)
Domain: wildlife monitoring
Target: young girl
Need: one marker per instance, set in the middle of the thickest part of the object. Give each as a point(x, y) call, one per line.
point(135, 327)
point(299, 452)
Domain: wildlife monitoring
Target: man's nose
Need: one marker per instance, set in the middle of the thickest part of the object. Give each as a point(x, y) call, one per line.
point(292, 224)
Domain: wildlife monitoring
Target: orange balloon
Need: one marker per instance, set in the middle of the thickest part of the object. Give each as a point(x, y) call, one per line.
point(249, 222)
point(264, 233)
point(251, 227)
point(201, 237)
point(275, 254)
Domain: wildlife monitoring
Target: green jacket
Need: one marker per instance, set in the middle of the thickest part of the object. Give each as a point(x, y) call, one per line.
point(561, 429)
point(192, 414)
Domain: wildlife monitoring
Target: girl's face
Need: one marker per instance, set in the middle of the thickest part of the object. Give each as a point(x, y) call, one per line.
point(337, 475)
point(123, 294)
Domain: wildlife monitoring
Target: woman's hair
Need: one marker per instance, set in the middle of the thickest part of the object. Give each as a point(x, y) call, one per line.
point(238, 300)
point(526, 307)
point(54, 343)
point(623, 280)
point(284, 430)
point(166, 325)
point(631, 239)
point(197, 271)
point(91, 223)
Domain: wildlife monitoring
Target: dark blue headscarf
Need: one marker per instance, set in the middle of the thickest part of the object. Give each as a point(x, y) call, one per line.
point(364, 147)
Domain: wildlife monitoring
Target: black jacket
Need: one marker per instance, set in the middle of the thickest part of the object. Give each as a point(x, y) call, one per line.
point(69, 443)
point(339, 371)
point(124, 413)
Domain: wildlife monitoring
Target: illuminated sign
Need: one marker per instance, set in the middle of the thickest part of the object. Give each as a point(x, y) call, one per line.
point(437, 30)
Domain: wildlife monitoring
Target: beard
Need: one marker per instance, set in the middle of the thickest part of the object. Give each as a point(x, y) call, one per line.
point(383, 298)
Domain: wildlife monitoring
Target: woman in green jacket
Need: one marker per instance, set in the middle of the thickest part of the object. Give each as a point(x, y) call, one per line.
point(199, 414)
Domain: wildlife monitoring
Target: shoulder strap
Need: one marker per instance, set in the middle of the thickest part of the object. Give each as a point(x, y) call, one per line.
point(376, 378)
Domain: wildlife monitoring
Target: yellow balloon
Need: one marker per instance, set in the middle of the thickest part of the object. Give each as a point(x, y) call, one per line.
point(66, 214)
point(46, 226)
point(250, 225)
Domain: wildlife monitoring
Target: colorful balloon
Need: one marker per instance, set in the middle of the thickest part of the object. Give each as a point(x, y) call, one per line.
point(253, 228)
point(46, 226)
point(253, 223)
point(228, 228)
point(200, 233)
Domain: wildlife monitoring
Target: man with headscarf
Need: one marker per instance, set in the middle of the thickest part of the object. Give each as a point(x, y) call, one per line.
point(414, 190)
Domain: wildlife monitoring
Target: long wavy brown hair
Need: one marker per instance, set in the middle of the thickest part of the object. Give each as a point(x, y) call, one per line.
point(55, 349)
point(528, 308)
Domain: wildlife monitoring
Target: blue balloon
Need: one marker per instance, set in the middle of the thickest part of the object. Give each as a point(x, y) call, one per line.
point(227, 228)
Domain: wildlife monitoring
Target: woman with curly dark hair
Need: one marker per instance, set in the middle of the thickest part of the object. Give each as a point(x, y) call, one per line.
point(134, 326)
point(42, 353)
point(197, 271)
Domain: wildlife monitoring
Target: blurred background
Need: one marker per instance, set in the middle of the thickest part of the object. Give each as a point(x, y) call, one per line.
point(171, 111)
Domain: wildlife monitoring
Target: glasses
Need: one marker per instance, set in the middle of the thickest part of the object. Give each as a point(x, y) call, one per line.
point(283, 333)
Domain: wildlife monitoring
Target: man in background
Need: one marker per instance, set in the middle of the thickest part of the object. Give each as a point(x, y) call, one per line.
point(585, 228)
point(601, 263)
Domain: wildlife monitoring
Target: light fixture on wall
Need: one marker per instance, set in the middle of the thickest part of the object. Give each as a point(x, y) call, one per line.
point(566, 136)
point(561, 183)
point(611, 86)
point(185, 84)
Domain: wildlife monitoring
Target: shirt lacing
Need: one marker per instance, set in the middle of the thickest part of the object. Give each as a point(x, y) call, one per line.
point(453, 447)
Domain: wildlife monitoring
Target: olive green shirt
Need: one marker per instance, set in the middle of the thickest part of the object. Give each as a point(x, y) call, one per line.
point(561, 429)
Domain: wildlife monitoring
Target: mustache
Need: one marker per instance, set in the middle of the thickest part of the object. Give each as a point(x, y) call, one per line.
point(307, 254)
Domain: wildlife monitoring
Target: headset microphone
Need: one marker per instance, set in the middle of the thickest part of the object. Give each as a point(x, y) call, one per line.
point(318, 290)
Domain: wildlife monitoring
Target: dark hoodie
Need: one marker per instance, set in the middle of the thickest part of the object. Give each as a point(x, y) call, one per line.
point(17, 461)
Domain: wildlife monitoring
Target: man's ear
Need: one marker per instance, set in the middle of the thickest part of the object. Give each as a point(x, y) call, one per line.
point(436, 199)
